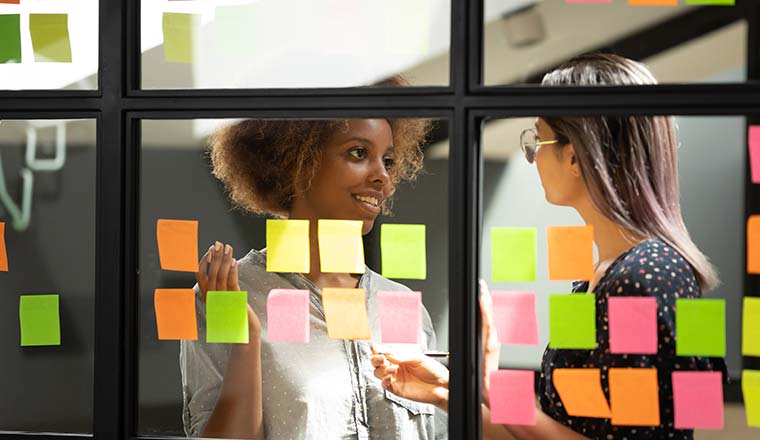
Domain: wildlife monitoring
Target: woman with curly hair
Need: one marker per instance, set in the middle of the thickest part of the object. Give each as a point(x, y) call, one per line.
point(298, 169)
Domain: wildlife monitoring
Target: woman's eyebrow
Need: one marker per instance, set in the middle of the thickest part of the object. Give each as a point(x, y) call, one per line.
point(359, 139)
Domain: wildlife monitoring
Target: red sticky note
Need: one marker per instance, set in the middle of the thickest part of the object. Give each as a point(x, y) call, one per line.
point(288, 315)
point(698, 399)
point(634, 396)
point(515, 316)
point(178, 245)
point(175, 314)
point(3, 253)
point(633, 325)
point(753, 138)
point(580, 390)
point(571, 252)
point(513, 397)
point(400, 316)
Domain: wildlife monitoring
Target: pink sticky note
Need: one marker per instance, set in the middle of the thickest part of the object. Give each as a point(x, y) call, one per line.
point(515, 317)
point(633, 324)
point(698, 399)
point(588, 1)
point(513, 397)
point(753, 138)
point(400, 316)
point(288, 315)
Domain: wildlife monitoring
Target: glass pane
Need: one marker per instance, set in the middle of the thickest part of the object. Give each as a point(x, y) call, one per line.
point(294, 44)
point(525, 39)
point(308, 386)
point(47, 292)
point(49, 44)
point(545, 194)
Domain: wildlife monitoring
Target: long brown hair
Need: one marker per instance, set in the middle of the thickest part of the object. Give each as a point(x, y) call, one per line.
point(628, 163)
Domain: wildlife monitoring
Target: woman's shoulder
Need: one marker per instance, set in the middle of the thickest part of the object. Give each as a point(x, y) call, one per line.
point(377, 282)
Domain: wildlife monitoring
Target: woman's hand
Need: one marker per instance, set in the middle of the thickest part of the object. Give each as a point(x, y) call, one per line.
point(413, 376)
point(489, 340)
point(218, 270)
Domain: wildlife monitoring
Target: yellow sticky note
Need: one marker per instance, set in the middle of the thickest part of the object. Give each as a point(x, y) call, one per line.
point(571, 252)
point(751, 390)
point(340, 246)
point(580, 390)
point(751, 327)
point(288, 246)
point(346, 313)
point(179, 30)
point(50, 37)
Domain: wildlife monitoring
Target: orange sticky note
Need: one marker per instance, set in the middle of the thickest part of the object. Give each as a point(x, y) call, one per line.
point(753, 244)
point(3, 254)
point(653, 2)
point(580, 390)
point(175, 314)
point(634, 396)
point(346, 313)
point(178, 245)
point(571, 252)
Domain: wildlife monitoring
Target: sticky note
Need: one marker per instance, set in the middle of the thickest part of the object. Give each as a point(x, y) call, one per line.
point(400, 316)
point(753, 140)
point(751, 391)
point(580, 390)
point(10, 38)
point(3, 252)
point(12, 2)
point(288, 246)
point(572, 321)
point(634, 396)
point(40, 322)
point(514, 314)
point(513, 398)
point(227, 317)
point(175, 314)
point(751, 326)
point(753, 244)
point(179, 30)
point(288, 315)
point(402, 250)
point(700, 327)
point(340, 246)
point(632, 324)
point(653, 2)
point(178, 244)
point(571, 252)
point(346, 313)
point(588, 1)
point(711, 2)
point(698, 399)
point(50, 37)
point(513, 254)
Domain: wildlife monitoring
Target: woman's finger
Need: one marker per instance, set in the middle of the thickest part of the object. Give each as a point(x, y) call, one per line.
point(202, 275)
point(378, 360)
point(232, 279)
point(224, 269)
point(213, 270)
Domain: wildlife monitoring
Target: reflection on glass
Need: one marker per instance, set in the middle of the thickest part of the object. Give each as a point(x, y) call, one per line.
point(341, 169)
point(47, 274)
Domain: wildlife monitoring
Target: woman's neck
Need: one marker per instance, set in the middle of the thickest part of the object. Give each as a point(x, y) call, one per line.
point(315, 275)
point(612, 240)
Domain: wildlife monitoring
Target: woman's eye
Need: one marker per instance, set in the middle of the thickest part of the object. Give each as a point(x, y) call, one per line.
point(358, 152)
point(389, 162)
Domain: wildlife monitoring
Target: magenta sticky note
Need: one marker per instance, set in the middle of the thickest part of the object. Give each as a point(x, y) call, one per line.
point(288, 315)
point(400, 316)
point(698, 399)
point(514, 314)
point(513, 397)
point(633, 324)
point(588, 1)
point(753, 138)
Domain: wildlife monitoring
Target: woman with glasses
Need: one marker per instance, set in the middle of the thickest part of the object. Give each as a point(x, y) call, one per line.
point(620, 174)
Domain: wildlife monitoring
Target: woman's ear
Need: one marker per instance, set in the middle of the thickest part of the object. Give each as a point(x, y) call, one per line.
point(572, 160)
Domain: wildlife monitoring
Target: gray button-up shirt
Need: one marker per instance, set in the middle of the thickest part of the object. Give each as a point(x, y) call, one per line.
point(323, 390)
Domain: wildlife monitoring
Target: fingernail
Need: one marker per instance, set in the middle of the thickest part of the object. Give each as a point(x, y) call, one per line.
point(210, 254)
point(217, 246)
point(234, 262)
point(227, 249)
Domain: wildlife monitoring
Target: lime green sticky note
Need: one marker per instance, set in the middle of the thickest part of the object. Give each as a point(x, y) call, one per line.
point(179, 30)
point(751, 391)
point(227, 317)
point(402, 249)
point(40, 320)
point(700, 327)
point(572, 321)
point(10, 38)
point(751, 326)
point(513, 254)
point(712, 2)
point(288, 246)
point(50, 37)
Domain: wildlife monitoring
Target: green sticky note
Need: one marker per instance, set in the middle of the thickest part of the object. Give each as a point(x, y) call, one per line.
point(751, 391)
point(402, 249)
point(50, 37)
point(40, 320)
point(751, 326)
point(712, 2)
point(179, 30)
point(513, 254)
point(10, 38)
point(700, 327)
point(572, 321)
point(227, 317)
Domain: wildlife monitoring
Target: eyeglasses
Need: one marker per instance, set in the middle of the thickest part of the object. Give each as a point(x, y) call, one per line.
point(530, 143)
